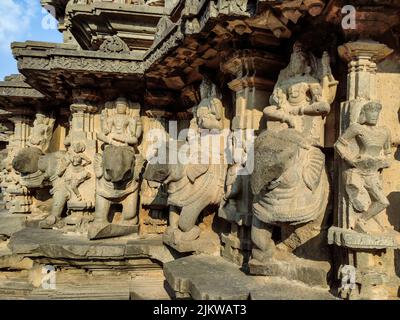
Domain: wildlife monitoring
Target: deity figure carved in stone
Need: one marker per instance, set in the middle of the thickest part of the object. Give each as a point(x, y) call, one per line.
point(289, 182)
point(303, 94)
point(120, 128)
point(366, 149)
point(41, 132)
point(195, 185)
point(76, 160)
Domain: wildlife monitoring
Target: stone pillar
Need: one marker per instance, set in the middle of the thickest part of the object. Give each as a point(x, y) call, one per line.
point(17, 196)
point(252, 86)
point(367, 254)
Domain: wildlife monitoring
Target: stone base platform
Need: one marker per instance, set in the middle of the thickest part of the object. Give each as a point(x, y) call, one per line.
point(204, 277)
point(128, 269)
point(78, 284)
point(11, 223)
point(53, 244)
point(208, 243)
point(312, 273)
point(357, 240)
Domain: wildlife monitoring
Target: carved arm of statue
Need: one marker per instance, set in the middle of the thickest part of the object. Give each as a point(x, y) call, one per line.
point(85, 159)
point(343, 147)
point(274, 113)
point(328, 82)
point(387, 150)
point(106, 129)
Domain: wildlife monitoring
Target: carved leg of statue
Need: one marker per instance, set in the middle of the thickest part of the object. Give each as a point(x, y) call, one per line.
point(261, 235)
point(174, 217)
point(187, 222)
point(102, 210)
point(60, 198)
point(129, 204)
point(73, 189)
point(173, 221)
point(379, 202)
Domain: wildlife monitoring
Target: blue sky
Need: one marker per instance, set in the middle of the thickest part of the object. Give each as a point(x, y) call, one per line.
point(22, 20)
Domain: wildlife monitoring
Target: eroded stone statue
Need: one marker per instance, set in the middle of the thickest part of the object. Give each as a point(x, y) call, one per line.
point(366, 149)
point(117, 171)
point(41, 132)
point(290, 182)
point(199, 183)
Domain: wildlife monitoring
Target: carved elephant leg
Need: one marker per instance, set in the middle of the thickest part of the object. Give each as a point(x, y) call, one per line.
point(187, 221)
point(102, 209)
point(174, 217)
point(129, 210)
point(60, 198)
point(261, 235)
point(189, 215)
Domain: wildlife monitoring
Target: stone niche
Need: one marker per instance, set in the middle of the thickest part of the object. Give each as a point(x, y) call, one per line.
point(203, 150)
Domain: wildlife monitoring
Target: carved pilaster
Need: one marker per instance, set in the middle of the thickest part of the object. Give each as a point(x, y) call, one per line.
point(361, 226)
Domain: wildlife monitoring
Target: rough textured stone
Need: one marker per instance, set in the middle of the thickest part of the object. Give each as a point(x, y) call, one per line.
point(191, 276)
point(34, 242)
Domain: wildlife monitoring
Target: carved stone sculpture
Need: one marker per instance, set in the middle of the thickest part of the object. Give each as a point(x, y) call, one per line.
point(191, 188)
point(366, 149)
point(290, 182)
point(117, 170)
point(50, 167)
point(195, 185)
point(41, 132)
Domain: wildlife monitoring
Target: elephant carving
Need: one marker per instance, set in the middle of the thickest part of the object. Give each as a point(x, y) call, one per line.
point(37, 170)
point(191, 188)
point(117, 171)
point(289, 183)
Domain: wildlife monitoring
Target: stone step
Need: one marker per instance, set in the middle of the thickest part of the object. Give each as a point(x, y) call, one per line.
point(204, 277)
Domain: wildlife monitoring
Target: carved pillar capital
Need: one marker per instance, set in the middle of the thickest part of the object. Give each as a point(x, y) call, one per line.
point(362, 57)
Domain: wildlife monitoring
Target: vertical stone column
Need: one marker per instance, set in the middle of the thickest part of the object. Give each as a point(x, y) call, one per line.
point(369, 256)
point(17, 196)
point(252, 86)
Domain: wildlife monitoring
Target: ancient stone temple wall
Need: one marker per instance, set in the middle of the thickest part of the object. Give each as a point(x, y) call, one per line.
point(228, 149)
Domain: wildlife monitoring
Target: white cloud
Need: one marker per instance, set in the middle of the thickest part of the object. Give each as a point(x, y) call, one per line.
point(15, 20)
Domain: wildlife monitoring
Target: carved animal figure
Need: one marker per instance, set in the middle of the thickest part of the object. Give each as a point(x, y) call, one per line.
point(37, 168)
point(117, 173)
point(289, 183)
point(191, 188)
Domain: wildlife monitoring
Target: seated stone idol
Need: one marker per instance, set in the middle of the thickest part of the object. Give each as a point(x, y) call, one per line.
point(119, 129)
point(366, 149)
point(301, 100)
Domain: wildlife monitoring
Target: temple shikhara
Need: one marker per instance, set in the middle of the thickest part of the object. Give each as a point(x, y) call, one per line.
point(204, 149)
